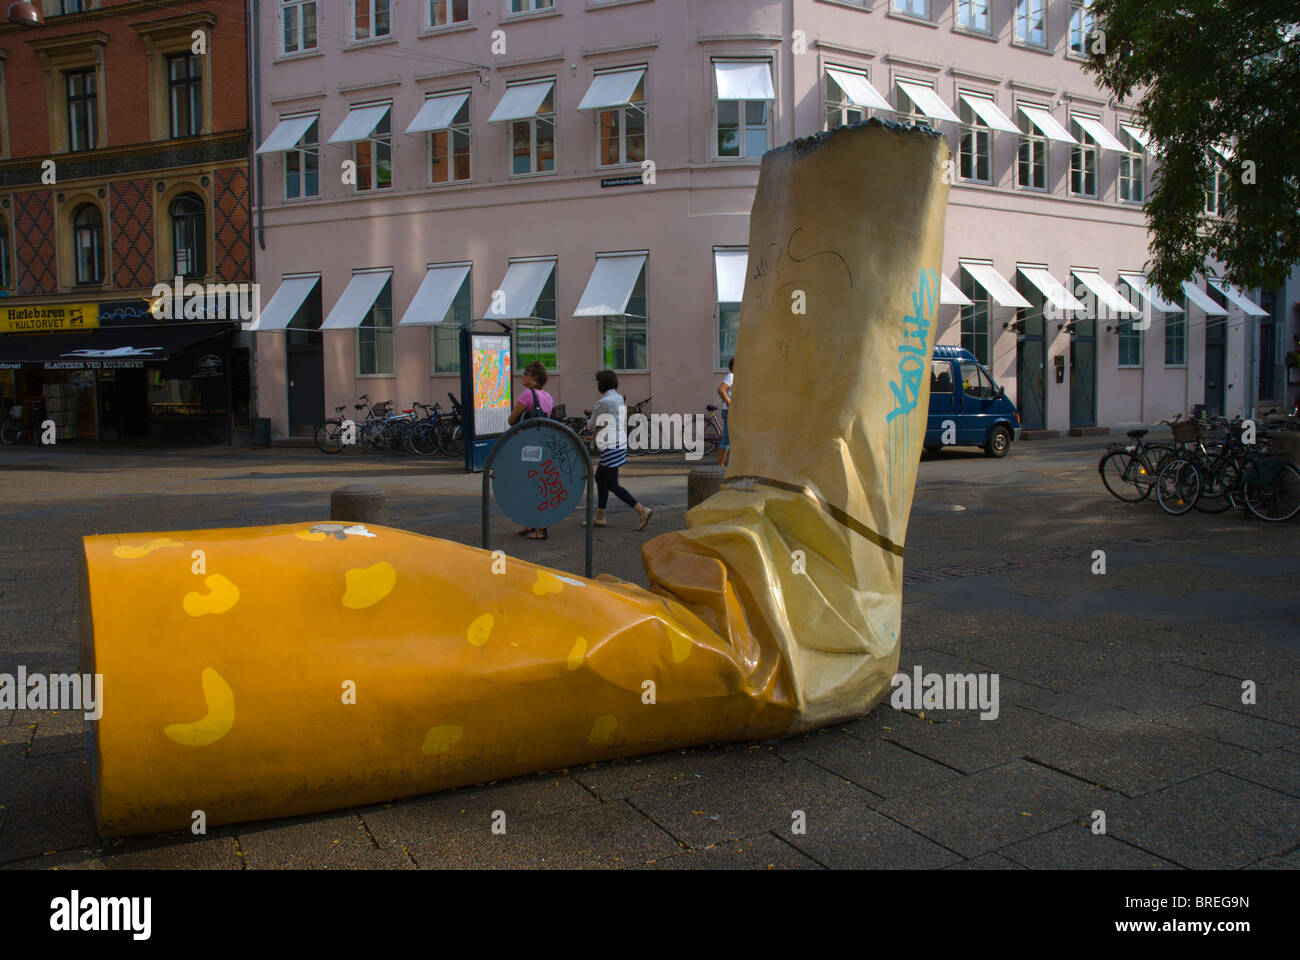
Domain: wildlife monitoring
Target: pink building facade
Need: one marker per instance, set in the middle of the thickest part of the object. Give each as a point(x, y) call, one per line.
point(583, 170)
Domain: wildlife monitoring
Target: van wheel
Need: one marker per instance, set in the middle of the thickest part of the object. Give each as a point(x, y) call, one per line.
point(999, 442)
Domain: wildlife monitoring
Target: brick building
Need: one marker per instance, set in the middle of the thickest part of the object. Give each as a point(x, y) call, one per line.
point(124, 164)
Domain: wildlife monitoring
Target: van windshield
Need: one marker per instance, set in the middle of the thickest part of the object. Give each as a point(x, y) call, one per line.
point(975, 382)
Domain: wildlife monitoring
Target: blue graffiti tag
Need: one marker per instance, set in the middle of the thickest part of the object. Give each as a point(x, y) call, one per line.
point(916, 334)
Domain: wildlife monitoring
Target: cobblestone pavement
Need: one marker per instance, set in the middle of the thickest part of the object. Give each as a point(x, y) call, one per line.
point(1120, 693)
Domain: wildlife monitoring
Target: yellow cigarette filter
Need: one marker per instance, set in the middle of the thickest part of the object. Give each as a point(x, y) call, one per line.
point(273, 671)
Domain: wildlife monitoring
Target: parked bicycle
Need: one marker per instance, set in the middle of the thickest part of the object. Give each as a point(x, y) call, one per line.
point(1128, 470)
point(1230, 474)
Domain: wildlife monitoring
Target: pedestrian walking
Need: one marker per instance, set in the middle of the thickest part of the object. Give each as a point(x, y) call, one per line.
point(608, 421)
point(724, 391)
point(533, 402)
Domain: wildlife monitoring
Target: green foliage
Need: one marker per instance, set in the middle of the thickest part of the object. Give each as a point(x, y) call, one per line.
point(1202, 73)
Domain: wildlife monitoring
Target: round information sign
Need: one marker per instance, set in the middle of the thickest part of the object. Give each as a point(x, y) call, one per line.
point(539, 473)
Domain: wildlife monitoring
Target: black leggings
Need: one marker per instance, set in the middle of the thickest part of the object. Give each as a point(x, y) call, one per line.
point(607, 481)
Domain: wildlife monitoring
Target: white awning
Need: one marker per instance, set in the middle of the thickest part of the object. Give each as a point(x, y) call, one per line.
point(609, 90)
point(996, 285)
point(1202, 300)
point(437, 290)
point(928, 101)
point(279, 313)
point(357, 299)
point(729, 266)
point(858, 89)
point(950, 294)
point(1047, 125)
point(1137, 133)
point(438, 113)
point(1104, 138)
point(988, 112)
point(521, 101)
point(1053, 290)
point(610, 286)
point(1114, 300)
point(359, 124)
point(521, 287)
point(744, 81)
point(1143, 287)
point(286, 134)
point(1235, 295)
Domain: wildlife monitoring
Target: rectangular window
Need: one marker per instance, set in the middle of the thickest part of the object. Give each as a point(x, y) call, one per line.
point(374, 157)
point(444, 343)
point(914, 8)
point(72, 6)
point(527, 6)
point(974, 15)
point(370, 19)
point(302, 166)
point(1130, 343)
point(742, 127)
point(535, 336)
point(1031, 163)
point(82, 109)
point(1084, 160)
point(623, 339)
point(443, 13)
point(5, 281)
point(1175, 339)
point(1216, 190)
point(622, 132)
point(976, 148)
point(1083, 22)
point(185, 94)
point(1132, 170)
point(975, 319)
point(375, 336)
point(449, 149)
point(299, 19)
point(839, 109)
point(532, 140)
point(1031, 22)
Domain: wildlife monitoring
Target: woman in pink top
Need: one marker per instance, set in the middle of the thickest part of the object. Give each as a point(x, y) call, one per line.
point(533, 400)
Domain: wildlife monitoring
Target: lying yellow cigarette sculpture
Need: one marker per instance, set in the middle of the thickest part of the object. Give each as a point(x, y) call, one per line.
point(308, 667)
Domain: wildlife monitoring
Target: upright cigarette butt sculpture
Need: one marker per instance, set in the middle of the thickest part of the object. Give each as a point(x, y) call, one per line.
point(308, 667)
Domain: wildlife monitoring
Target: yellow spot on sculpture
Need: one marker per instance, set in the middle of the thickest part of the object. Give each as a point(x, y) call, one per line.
point(308, 535)
point(221, 596)
point(602, 728)
point(577, 654)
point(681, 644)
point(126, 552)
point(547, 583)
point(368, 585)
point(440, 739)
point(479, 630)
point(219, 719)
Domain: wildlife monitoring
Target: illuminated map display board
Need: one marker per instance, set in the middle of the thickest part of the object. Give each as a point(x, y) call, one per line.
point(490, 370)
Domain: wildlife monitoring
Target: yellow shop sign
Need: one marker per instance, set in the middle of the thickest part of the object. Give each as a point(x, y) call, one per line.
point(49, 318)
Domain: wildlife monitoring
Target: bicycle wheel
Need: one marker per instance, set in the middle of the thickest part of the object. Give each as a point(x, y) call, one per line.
point(1276, 500)
point(375, 437)
point(355, 431)
point(1178, 484)
point(395, 437)
point(712, 435)
point(1218, 483)
point(1128, 476)
point(10, 432)
point(423, 439)
point(454, 445)
point(327, 437)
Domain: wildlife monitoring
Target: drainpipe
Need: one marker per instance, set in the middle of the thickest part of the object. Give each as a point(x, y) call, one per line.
point(255, 113)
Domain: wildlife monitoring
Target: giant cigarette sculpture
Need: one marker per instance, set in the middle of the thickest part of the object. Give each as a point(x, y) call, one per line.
point(306, 667)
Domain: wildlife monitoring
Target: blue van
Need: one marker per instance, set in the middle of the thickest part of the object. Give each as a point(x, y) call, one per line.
point(968, 406)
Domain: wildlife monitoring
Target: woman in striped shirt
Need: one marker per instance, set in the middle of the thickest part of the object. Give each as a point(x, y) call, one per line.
point(608, 421)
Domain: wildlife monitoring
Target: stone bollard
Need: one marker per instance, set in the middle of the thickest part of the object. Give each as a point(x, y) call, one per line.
point(702, 483)
point(359, 503)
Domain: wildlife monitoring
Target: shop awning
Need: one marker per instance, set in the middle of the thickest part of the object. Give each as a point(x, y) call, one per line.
point(950, 294)
point(1137, 133)
point(358, 297)
point(1235, 295)
point(996, 285)
point(988, 112)
point(109, 347)
point(521, 101)
point(610, 286)
point(520, 289)
point(609, 90)
point(286, 134)
point(1145, 289)
point(1114, 300)
point(859, 89)
point(744, 81)
point(1052, 289)
point(1203, 300)
point(359, 124)
point(437, 290)
point(929, 102)
point(1103, 137)
point(278, 314)
point(1047, 125)
point(438, 113)
point(729, 267)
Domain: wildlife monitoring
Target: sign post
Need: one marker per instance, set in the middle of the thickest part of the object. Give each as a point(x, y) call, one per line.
point(486, 389)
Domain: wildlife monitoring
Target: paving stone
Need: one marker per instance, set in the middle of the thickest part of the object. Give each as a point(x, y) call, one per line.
point(1076, 847)
point(970, 745)
point(48, 808)
point(988, 861)
point(1057, 664)
point(1277, 698)
point(1289, 861)
point(58, 731)
point(216, 851)
point(763, 852)
point(1278, 769)
point(331, 842)
point(884, 769)
point(1209, 823)
point(849, 835)
point(1146, 695)
point(1228, 726)
point(617, 779)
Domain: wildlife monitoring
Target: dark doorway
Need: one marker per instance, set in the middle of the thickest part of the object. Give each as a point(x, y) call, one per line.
point(1031, 359)
point(306, 366)
point(1083, 374)
point(1215, 329)
point(133, 403)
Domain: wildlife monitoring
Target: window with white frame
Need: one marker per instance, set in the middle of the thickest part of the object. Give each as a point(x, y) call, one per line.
point(1130, 342)
point(624, 343)
point(449, 149)
point(742, 127)
point(299, 22)
point(1132, 169)
point(375, 336)
point(1083, 24)
point(528, 6)
point(444, 337)
point(974, 15)
point(622, 131)
point(840, 110)
point(370, 19)
point(1084, 160)
point(1031, 163)
point(913, 8)
point(532, 139)
point(975, 319)
point(1031, 22)
point(1176, 338)
point(1216, 189)
point(374, 156)
point(975, 151)
point(445, 13)
point(906, 109)
point(535, 336)
point(302, 165)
